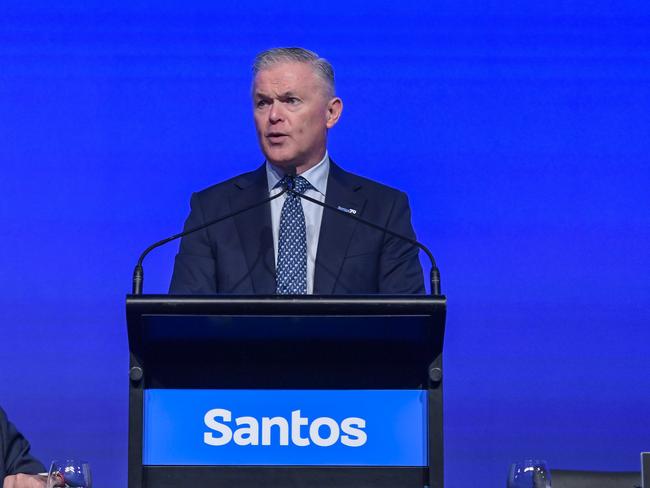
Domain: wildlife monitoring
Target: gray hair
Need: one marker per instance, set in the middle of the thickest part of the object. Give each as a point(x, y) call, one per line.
point(321, 66)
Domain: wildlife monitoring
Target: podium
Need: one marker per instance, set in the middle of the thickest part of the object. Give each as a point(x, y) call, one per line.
point(309, 391)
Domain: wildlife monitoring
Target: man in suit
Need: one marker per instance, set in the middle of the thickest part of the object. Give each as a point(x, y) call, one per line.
point(18, 468)
point(290, 245)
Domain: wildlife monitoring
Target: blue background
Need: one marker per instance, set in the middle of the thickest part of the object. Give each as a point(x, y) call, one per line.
point(395, 426)
point(519, 129)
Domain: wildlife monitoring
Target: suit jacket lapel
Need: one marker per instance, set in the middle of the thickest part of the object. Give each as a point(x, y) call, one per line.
point(336, 229)
point(254, 228)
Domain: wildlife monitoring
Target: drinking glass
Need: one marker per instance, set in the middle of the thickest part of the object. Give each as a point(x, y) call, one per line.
point(69, 473)
point(531, 473)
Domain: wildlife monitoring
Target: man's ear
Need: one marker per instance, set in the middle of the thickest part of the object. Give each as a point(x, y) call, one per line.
point(334, 109)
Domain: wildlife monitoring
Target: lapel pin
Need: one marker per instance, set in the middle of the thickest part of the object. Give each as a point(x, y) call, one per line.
point(347, 210)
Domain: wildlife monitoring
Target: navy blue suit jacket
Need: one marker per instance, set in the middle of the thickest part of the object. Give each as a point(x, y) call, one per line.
point(237, 256)
point(14, 451)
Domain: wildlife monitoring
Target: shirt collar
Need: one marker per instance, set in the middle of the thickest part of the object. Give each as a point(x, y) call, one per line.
point(316, 175)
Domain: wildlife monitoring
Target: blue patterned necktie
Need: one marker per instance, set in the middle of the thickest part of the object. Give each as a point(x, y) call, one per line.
point(291, 269)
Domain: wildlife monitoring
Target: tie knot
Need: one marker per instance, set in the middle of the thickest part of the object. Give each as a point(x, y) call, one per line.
point(301, 184)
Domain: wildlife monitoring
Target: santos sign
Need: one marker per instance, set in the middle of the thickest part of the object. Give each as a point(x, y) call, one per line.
point(285, 427)
point(248, 430)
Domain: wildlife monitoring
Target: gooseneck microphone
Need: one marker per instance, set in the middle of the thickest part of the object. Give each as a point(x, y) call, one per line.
point(138, 272)
point(434, 274)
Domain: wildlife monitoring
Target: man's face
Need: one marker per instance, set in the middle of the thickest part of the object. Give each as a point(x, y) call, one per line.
point(292, 114)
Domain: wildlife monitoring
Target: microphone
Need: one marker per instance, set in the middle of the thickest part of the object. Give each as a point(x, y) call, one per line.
point(291, 173)
point(434, 274)
point(138, 272)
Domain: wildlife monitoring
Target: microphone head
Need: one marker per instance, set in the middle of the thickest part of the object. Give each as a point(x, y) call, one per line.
point(290, 177)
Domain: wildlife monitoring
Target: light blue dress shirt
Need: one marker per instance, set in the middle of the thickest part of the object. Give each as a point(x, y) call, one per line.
point(317, 177)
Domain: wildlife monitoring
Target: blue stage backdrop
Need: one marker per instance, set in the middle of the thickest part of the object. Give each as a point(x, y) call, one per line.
point(519, 129)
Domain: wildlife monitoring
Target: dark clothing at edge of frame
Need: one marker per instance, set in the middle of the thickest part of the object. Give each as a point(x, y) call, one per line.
point(14, 451)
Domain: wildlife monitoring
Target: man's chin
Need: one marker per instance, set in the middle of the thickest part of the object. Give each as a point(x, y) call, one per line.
point(280, 160)
point(301, 162)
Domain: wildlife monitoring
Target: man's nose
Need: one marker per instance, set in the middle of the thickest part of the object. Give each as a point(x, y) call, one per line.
point(275, 113)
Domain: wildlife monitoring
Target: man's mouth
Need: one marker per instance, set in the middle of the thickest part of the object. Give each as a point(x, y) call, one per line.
point(276, 137)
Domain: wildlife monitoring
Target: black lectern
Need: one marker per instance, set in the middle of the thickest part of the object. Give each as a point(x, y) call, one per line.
point(311, 391)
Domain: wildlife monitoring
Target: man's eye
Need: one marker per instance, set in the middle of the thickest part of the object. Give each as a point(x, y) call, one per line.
point(262, 103)
point(293, 100)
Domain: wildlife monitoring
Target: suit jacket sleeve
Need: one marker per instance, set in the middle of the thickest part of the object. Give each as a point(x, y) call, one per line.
point(195, 264)
point(14, 451)
point(400, 271)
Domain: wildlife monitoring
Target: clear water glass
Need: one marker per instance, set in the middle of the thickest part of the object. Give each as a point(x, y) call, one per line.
point(531, 473)
point(69, 473)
